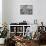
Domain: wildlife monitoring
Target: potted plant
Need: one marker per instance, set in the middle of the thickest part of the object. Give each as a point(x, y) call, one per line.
point(3, 34)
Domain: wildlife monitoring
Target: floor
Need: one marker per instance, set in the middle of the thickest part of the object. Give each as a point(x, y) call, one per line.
point(42, 45)
point(33, 45)
point(36, 44)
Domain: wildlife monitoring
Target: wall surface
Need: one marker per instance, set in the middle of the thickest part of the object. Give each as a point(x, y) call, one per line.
point(4, 11)
point(0, 13)
point(12, 11)
point(15, 11)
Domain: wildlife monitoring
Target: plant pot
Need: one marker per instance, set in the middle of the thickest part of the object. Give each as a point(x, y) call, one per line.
point(2, 40)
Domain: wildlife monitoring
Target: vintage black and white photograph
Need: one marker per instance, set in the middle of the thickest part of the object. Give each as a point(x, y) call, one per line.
point(26, 9)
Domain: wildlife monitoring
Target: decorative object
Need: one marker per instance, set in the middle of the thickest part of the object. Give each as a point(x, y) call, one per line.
point(2, 40)
point(4, 32)
point(26, 9)
point(35, 21)
point(28, 33)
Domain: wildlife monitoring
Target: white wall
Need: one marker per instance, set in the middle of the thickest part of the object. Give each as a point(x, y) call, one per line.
point(0, 13)
point(4, 11)
point(15, 14)
point(12, 11)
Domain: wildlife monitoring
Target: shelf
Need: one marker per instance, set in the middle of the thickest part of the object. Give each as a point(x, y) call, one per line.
point(12, 32)
point(19, 32)
point(16, 32)
point(19, 27)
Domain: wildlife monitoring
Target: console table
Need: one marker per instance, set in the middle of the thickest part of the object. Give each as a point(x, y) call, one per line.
point(19, 29)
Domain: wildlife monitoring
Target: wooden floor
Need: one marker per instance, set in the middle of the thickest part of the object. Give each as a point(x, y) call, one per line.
point(42, 45)
point(32, 45)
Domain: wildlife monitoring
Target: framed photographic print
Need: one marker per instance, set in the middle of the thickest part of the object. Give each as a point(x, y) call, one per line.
point(26, 9)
